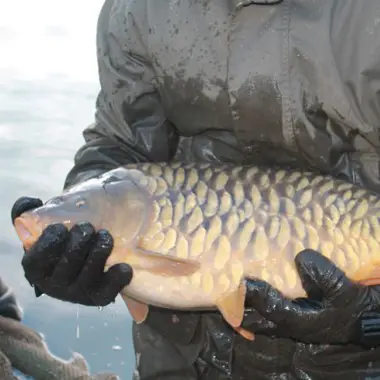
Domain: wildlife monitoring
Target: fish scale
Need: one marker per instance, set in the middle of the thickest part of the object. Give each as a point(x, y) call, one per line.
point(194, 232)
point(264, 215)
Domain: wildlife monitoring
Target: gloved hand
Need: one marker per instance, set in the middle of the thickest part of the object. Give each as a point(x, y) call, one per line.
point(69, 265)
point(337, 311)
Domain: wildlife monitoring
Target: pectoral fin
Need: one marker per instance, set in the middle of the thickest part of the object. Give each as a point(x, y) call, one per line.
point(159, 264)
point(139, 311)
point(232, 308)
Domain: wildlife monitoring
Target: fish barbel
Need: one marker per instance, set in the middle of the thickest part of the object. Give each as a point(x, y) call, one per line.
point(193, 233)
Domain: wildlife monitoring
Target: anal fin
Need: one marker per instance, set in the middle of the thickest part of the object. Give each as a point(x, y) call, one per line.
point(138, 310)
point(232, 307)
point(371, 281)
point(368, 276)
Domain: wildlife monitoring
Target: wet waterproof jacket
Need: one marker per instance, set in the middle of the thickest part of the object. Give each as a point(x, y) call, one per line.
point(295, 82)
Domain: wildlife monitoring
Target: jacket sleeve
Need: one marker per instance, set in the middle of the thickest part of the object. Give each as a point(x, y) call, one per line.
point(130, 125)
point(8, 305)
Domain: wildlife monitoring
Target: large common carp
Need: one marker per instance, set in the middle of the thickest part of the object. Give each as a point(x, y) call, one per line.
point(194, 232)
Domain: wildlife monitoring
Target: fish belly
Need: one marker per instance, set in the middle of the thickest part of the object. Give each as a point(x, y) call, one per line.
point(185, 293)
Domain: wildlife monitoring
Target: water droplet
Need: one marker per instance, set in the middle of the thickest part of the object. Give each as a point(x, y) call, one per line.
point(78, 328)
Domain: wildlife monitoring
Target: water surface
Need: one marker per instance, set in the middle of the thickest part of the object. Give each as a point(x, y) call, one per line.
point(48, 88)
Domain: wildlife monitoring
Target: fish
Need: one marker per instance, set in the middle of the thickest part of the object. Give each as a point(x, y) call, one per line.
point(194, 233)
point(22, 348)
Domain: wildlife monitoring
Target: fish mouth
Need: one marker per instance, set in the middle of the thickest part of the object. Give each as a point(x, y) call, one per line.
point(27, 229)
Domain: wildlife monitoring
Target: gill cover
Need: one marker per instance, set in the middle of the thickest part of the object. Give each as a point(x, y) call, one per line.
point(128, 208)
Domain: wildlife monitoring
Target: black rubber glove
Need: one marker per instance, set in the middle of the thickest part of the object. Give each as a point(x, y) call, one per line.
point(69, 265)
point(337, 311)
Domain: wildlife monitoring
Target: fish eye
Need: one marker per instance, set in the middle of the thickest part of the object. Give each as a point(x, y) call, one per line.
point(80, 203)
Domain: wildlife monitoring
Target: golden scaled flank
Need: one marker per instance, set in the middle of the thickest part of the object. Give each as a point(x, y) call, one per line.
point(291, 221)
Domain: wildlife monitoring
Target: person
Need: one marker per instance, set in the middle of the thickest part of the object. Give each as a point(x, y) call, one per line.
point(291, 82)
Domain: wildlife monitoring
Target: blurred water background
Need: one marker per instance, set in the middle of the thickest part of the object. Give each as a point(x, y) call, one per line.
point(48, 88)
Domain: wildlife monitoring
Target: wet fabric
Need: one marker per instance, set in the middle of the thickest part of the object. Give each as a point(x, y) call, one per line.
point(9, 306)
point(295, 83)
point(24, 352)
